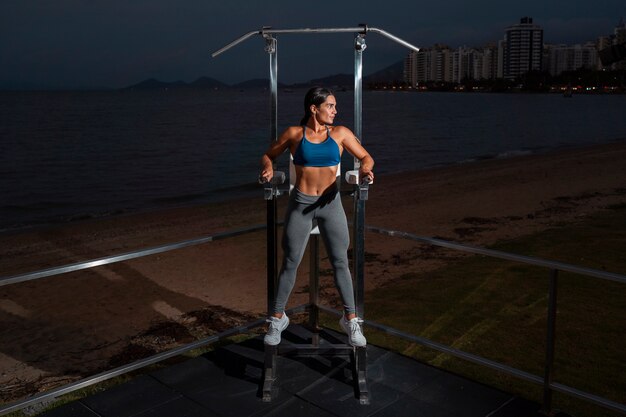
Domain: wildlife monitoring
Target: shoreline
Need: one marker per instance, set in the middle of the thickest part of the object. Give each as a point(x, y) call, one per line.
point(252, 194)
point(97, 314)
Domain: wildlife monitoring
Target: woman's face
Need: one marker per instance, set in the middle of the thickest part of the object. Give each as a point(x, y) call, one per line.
point(325, 113)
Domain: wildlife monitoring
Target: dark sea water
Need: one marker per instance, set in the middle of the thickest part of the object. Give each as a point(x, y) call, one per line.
point(74, 155)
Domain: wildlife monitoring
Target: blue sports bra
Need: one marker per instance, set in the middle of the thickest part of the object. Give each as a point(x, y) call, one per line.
point(324, 154)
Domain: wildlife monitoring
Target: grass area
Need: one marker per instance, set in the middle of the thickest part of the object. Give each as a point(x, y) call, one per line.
point(497, 309)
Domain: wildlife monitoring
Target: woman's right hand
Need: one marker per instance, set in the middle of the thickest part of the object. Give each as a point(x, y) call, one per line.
point(266, 175)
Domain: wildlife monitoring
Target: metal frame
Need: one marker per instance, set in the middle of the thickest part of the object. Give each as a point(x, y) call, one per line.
point(360, 196)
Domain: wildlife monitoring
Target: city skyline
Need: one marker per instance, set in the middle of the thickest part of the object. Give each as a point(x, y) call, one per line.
point(522, 49)
point(75, 44)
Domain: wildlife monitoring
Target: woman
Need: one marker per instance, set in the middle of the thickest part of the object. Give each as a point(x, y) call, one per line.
point(316, 146)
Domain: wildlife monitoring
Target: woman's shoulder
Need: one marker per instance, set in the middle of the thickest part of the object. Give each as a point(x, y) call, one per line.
point(292, 133)
point(340, 132)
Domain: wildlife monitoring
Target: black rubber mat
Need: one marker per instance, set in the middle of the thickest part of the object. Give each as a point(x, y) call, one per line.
point(227, 383)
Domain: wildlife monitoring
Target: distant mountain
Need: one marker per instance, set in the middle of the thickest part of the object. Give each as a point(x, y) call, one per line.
point(389, 74)
point(256, 83)
point(332, 81)
point(153, 84)
point(207, 82)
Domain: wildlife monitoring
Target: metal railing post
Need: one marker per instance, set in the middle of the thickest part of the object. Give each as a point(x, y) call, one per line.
point(550, 343)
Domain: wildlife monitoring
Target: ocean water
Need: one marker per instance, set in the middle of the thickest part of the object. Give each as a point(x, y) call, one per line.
point(66, 156)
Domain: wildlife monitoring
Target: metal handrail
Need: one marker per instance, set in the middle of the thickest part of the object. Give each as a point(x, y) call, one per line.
point(596, 273)
point(57, 270)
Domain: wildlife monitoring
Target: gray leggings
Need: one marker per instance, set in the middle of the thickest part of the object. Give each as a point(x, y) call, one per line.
point(331, 219)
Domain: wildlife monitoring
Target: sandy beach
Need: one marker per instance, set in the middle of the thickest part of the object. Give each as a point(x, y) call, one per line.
point(59, 329)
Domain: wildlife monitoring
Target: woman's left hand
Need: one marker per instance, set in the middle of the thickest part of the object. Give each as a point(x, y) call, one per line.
point(366, 175)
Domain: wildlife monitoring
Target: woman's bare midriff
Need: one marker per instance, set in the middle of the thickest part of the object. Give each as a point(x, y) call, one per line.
point(315, 180)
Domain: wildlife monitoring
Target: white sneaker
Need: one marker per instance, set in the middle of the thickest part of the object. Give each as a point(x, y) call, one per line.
point(277, 325)
point(353, 329)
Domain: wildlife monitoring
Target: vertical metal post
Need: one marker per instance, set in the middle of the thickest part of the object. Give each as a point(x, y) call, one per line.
point(359, 355)
point(359, 47)
point(550, 343)
point(270, 371)
point(272, 216)
point(359, 204)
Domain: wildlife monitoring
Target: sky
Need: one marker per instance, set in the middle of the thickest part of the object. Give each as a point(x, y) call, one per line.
point(87, 44)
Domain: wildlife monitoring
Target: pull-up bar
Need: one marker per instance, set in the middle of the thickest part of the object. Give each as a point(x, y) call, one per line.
point(362, 29)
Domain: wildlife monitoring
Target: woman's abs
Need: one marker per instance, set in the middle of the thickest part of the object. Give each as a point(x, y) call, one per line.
point(315, 180)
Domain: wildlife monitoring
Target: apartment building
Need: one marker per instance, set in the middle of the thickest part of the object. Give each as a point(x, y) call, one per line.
point(560, 58)
point(523, 48)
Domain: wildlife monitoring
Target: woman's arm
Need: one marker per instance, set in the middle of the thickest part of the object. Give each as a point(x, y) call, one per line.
point(352, 145)
point(275, 149)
